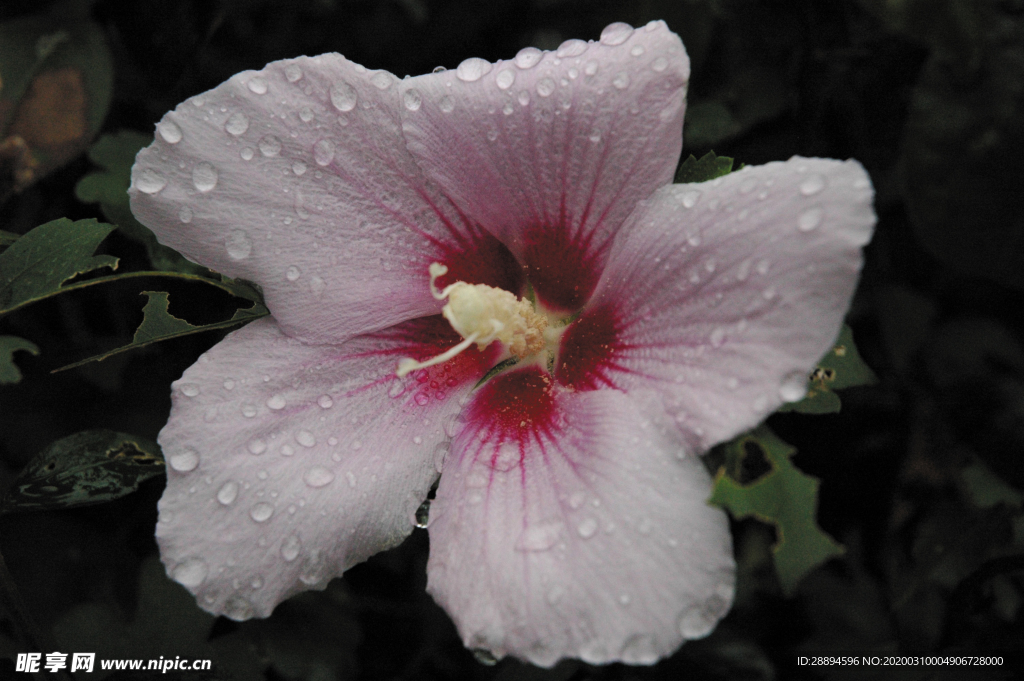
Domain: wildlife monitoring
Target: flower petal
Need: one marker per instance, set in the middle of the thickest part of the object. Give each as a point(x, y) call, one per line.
point(296, 177)
point(721, 296)
point(551, 151)
point(289, 463)
point(587, 538)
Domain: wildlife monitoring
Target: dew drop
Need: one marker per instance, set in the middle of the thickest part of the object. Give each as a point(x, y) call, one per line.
point(261, 512)
point(238, 609)
point(238, 245)
point(169, 131)
point(258, 85)
point(317, 285)
point(292, 273)
point(693, 622)
point(247, 153)
point(809, 219)
point(423, 515)
point(227, 494)
point(343, 96)
point(485, 657)
point(637, 50)
point(412, 99)
point(256, 446)
point(287, 450)
point(528, 57)
point(299, 168)
point(189, 389)
point(150, 182)
point(587, 528)
point(545, 86)
point(305, 438)
point(184, 461)
point(690, 198)
point(717, 337)
point(237, 124)
point(446, 104)
point(318, 476)
point(812, 185)
point(325, 402)
point(292, 73)
point(290, 548)
point(185, 214)
point(249, 410)
point(621, 80)
point(539, 537)
point(323, 152)
point(256, 582)
point(204, 177)
point(590, 68)
point(616, 34)
point(190, 573)
point(639, 649)
point(505, 78)
point(571, 48)
point(313, 568)
point(793, 387)
point(270, 146)
point(382, 80)
point(523, 98)
point(276, 402)
point(306, 114)
point(473, 69)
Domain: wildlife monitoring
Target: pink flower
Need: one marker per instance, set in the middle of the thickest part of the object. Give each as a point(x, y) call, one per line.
point(570, 519)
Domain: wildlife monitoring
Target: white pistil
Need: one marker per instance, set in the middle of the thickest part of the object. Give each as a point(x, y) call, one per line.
point(482, 314)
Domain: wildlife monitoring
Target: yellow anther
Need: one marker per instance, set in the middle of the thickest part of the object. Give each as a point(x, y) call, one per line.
point(482, 314)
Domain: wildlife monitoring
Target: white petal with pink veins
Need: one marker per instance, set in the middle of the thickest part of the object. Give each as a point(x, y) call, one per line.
point(725, 294)
point(315, 458)
point(595, 541)
point(265, 175)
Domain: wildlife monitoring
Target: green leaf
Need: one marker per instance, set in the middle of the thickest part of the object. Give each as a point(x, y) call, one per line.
point(115, 154)
point(7, 238)
point(159, 325)
point(8, 346)
point(841, 367)
point(41, 261)
point(85, 468)
point(784, 497)
point(57, 77)
point(707, 168)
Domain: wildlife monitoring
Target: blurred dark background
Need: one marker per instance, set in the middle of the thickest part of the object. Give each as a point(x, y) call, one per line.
point(921, 474)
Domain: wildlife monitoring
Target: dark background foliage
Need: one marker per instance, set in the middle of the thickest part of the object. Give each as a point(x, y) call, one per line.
point(921, 474)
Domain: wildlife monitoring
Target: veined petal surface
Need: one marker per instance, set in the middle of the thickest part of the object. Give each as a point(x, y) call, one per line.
point(587, 534)
point(289, 463)
point(297, 177)
point(551, 151)
point(721, 296)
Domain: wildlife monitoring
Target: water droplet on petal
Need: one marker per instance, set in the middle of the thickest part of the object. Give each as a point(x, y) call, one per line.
point(150, 182)
point(412, 99)
point(485, 657)
point(325, 402)
point(256, 582)
point(318, 476)
point(693, 622)
point(794, 386)
point(809, 219)
point(270, 146)
point(505, 78)
point(299, 168)
point(314, 568)
point(238, 609)
point(290, 548)
point(473, 69)
point(446, 104)
point(523, 97)
point(204, 177)
point(227, 494)
point(237, 124)
point(169, 131)
point(571, 48)
point(690, 198)
point(238, 245)
point(189, 389)
point(292, 273)
point(621, 80)
point(276, 402)
point(261, 512)
point(287, 450)
point(343, 96)
point(249, 410)
point(639, 649)
point(637, 50)
point(256, 446)
point(423, 515)
point(317, 285)
point(185, 214)
point(540, 536)
point(659, 64)
point(247, 153)
point(258, 85)
point(382, 79)
point(616, 34)
point(587, 528)
point(184, 461)
point(528, 57)
point(590, 68)
point(306, 114)
point(292, 73)
point(545, 86)
point(190, 573)
point(323, 152)
point(305, 438)
point(812, 185)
